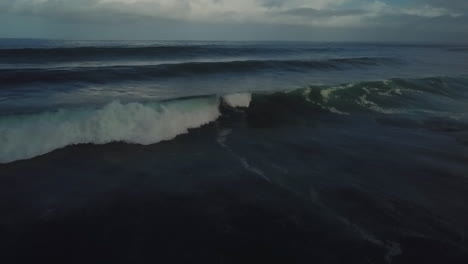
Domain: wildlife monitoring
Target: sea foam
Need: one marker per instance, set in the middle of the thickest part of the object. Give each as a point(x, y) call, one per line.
point(27, 136)
point(238, 100)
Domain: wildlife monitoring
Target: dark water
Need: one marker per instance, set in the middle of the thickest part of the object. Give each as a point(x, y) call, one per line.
point(233, 152)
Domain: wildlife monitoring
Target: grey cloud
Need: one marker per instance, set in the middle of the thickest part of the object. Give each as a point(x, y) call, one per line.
point(82, 11)
point(311, 13)
point(272, 3)
point(460, 5)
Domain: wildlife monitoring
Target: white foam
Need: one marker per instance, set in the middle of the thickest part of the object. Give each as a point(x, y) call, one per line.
point(238, 100)
point(373, 106)
point(27, 136)
point(326, 93)
point(306, 94)
point(336, 111)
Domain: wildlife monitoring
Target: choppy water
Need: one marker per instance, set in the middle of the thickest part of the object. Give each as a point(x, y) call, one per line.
point(234, 151)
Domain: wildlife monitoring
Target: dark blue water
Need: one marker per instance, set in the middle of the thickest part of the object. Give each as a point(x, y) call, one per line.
point(229, 152)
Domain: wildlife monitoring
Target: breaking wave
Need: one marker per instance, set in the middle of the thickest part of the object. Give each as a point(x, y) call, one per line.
point(27, 136)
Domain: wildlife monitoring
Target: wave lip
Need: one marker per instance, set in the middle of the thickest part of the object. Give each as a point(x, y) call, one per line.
point(28, 136)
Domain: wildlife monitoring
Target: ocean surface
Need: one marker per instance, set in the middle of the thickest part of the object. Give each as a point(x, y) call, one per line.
point(233, 152)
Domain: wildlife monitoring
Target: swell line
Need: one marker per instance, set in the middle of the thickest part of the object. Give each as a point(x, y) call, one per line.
point(128, 73)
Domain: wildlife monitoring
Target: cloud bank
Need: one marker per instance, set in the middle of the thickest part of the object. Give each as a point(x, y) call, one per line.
point(325, 19)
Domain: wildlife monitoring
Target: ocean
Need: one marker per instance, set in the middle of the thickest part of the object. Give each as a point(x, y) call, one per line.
point(233, 152)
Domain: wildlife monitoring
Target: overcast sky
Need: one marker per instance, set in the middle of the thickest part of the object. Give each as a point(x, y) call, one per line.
point(319, 20)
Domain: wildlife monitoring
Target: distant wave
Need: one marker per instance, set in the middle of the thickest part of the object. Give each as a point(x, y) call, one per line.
point(459, 49)
point(28, 135)
point(43, 55)
point(148, 72)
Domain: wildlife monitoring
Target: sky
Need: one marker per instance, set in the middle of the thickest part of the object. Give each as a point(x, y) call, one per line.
point(314, 20)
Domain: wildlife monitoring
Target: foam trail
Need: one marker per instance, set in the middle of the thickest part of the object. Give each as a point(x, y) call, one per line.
point(27, 136)
point(238, 100)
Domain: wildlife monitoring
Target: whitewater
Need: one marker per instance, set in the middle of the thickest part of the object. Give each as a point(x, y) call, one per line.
point(29, 135)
